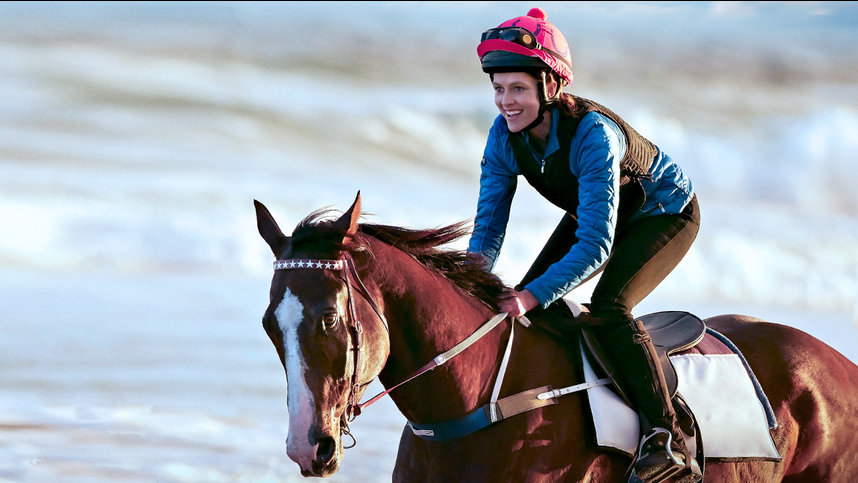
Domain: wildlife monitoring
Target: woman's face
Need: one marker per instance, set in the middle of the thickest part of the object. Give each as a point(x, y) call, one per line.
point(517, 98)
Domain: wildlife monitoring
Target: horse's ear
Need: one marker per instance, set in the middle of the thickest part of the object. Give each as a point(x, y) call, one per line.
point(348, 223)
point(269, 230)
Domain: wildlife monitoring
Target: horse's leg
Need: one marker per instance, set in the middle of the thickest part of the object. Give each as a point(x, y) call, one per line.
point(464, 459)
point(411, 464)
point(472, 458)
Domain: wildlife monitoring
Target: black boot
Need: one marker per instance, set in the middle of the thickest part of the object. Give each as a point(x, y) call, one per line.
point(663, 455)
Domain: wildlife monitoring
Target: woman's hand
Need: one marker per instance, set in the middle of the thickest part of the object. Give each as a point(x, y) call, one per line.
point(515, 303)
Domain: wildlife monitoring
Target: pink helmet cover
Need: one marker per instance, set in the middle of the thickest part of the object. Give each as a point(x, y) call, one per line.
point(555, 51)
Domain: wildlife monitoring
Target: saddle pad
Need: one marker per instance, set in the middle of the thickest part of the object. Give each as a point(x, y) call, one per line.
point(720, 393)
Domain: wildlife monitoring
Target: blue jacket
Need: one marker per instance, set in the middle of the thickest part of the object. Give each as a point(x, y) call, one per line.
point(596, 150)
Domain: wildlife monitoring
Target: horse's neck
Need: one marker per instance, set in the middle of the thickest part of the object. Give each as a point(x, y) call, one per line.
point(428, 315)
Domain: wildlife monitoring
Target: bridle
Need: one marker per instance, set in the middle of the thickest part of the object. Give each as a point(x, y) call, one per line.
point(347, 266)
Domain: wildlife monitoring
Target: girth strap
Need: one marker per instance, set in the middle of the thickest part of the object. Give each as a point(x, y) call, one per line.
point(494, 412)
point(484, 416)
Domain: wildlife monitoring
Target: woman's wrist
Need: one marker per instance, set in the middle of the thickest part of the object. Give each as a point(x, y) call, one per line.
point(528, 300)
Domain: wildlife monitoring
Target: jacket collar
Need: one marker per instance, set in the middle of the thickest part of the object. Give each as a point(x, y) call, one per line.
point(553, 143)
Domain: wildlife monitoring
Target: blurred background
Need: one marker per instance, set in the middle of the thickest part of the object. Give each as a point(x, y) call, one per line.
point(134, 137)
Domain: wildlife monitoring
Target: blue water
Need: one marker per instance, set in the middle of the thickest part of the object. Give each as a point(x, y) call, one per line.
point(134, 137)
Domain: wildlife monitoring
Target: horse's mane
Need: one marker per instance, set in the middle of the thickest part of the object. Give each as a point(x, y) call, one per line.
point(460, 268)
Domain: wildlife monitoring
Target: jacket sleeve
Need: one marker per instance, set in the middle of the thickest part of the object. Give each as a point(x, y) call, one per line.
point(597, 149)
point(498, 180)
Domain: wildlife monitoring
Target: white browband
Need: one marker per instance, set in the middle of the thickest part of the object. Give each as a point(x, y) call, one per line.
point(319, 264)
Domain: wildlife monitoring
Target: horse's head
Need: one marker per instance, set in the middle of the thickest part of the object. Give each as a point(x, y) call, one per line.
point(313, 320)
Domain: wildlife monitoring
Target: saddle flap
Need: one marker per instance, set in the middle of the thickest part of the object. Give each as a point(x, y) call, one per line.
point(670, 331)
point(603, 365)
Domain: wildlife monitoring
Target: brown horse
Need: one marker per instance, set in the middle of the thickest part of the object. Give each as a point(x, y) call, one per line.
point(338, 284)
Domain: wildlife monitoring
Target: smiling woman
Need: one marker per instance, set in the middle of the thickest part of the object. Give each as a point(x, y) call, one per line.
point(631, 213)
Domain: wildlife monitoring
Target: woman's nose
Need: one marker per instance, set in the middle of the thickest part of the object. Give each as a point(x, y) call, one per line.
point(506, 99)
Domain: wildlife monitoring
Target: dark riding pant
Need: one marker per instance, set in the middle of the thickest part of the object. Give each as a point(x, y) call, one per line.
point(644, 252)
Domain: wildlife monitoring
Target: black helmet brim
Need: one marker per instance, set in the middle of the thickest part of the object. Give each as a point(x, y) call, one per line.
point(503, 61)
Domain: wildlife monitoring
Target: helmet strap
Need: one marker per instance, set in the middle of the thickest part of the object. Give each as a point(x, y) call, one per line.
point(544, 101)
point(539, 117)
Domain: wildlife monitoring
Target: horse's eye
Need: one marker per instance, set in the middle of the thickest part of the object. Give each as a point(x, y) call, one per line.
point(330, 320)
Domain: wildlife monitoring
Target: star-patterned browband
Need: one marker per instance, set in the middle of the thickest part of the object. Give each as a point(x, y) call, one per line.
point(319, 264)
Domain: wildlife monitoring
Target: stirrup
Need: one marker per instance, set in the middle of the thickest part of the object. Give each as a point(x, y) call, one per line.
point(657, 461)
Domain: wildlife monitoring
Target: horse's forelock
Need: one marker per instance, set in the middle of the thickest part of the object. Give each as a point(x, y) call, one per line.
point(319, 232)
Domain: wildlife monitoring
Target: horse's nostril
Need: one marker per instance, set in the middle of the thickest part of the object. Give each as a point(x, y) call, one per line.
point(327, 447)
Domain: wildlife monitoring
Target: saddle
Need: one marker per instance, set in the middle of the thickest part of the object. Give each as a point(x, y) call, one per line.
point(671, 332)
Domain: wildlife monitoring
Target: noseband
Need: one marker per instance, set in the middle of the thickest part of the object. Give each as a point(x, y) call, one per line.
point(347, 266)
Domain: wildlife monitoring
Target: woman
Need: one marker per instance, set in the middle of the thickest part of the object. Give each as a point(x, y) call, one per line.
point(631, 214)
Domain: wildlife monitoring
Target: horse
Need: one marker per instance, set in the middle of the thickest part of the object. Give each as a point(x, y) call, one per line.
point(353, 301)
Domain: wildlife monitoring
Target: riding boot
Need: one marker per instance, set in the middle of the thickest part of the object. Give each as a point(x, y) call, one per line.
point(663, 454)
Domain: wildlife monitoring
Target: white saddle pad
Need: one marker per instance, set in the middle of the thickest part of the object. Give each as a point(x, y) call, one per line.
point(719, 391)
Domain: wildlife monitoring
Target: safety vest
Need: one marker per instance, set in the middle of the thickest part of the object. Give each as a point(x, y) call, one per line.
point(554, 180)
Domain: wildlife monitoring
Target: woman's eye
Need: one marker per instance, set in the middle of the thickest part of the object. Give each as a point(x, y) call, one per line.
point(330, 320)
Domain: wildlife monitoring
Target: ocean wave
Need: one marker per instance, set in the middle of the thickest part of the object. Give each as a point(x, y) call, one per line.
point(138, 146)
